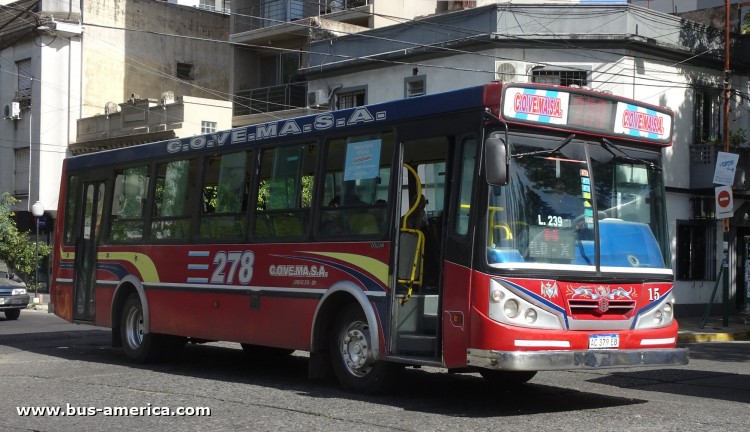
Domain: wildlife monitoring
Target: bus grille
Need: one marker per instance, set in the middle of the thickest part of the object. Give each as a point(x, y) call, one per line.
point(589, 309)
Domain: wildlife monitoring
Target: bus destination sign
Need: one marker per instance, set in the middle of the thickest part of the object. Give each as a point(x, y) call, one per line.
point(586, 112)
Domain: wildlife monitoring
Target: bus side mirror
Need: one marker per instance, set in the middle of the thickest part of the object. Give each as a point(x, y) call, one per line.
point(496, 162)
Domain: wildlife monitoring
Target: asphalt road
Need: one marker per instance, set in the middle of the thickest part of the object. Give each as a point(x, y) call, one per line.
point(46, 362)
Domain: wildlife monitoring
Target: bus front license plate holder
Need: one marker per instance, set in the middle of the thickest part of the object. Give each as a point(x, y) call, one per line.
point(604, 341)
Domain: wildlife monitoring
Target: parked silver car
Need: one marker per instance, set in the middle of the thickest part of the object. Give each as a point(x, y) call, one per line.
point(13, 296)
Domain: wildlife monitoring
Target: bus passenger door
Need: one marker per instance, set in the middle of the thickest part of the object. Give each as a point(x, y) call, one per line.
point(423, 194)
point(90, 221)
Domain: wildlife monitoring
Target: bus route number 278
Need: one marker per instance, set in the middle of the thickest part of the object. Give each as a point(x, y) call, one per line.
point(229, 264)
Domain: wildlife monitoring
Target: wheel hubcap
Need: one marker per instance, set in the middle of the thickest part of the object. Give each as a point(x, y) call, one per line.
point(134, 328)
point(355, 348)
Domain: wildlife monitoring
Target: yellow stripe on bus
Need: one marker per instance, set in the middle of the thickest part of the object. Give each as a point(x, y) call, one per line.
point(370, 265)
point(141, 262)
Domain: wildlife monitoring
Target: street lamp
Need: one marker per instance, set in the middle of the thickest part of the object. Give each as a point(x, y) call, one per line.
point(38, 211)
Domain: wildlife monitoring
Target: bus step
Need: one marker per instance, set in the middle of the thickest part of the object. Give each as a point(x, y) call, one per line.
point(416, 343)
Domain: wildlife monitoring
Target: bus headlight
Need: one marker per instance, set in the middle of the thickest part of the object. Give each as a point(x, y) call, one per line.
point(660, 315)
point(497, 296)
point(18, 291)
point(511, 308)
point(509, 305)
point(530, 316)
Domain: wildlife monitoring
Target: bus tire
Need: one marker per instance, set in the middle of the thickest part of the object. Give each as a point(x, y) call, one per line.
point(139, 347)
point(506, 378)
point(351, 355)
point(260, 352)
point(12, 314)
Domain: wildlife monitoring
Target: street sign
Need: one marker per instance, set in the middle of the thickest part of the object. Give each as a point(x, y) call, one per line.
point(726, 167)
point(724, 202)
point(41, 221)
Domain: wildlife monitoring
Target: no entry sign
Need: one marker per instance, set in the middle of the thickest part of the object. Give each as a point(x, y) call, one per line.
point(724, 202)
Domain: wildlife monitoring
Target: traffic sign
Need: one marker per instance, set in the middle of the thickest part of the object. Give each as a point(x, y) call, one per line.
point(41, 221)
point(726, 168)
point(724, 202)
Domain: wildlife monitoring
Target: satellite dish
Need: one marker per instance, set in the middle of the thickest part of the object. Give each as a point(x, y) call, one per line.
point(110, 108)
point(167, 97)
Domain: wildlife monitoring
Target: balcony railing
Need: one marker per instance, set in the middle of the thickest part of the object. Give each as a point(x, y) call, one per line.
point(269, 99)
point(273, 12)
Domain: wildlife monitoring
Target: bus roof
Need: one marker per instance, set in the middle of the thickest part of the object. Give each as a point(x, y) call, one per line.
point(398, 110)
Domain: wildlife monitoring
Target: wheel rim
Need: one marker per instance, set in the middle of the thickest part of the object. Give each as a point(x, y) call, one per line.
point(134, 328)
point(354, 344)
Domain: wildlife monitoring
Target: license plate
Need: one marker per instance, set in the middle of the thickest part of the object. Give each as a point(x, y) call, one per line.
point(604, 341)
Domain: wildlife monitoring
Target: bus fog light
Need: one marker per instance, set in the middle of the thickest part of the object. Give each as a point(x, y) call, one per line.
point(658, 317)
point(497, 296)
point(530, 316)
point(511, 308)
point(667, 311)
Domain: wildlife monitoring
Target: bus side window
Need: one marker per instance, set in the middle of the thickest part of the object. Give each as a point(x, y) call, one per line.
point(70, 210)
point(355, 192)
point(285, 191)
point(173, 199)
point(226, 182)
point(128, 204)
point(468, 162)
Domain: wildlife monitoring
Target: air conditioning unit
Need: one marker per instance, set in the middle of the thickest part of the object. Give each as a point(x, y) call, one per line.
point(317, 98)
point(13, 111)
point(508, 71)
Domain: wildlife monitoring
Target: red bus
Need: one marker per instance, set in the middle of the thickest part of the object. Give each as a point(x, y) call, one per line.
point(504, 229)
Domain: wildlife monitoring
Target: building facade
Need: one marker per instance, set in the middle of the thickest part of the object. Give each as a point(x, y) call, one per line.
point(627, 50)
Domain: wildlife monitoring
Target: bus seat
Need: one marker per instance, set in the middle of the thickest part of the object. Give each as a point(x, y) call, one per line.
point(287, 226)
point(362, 223)
point(503, 255)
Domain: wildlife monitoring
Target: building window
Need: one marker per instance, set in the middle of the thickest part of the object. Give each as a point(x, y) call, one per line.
point(415, 86)
point(208, 127)
point(696, 250)
point(351, 99)
point(22, 171)
point(560, 77)
point(25, 78)
point(707, 116)
point(207, 4)
point(184, 71)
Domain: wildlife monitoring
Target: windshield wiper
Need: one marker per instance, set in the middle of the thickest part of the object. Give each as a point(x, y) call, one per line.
point(606, 144)
point(545, 152)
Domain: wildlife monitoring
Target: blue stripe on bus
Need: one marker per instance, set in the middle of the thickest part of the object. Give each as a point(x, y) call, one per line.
point(197, 280)
point(634, 132)
point(369, 283)
point(546, 119)
point(198, 253)
point(197, 266)
point(522, 116)
point(652, 135)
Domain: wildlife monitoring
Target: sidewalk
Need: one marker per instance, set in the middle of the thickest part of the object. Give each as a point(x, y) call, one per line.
point(738, 329)
point(43, 306)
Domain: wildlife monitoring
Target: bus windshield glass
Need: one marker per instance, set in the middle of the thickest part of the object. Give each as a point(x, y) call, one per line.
point(547, 215)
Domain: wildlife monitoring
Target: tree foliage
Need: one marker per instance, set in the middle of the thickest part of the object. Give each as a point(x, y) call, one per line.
point(15, 247)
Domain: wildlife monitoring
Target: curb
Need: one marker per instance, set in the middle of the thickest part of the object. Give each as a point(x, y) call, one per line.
point(712, 337)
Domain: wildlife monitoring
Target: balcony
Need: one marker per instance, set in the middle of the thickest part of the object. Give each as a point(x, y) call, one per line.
point(274, 20)
point(270, 99)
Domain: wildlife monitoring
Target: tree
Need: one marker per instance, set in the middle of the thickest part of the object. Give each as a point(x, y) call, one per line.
point(746, 23)
point(15, 247)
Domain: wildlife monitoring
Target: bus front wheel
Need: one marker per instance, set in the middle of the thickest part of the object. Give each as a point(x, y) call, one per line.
point(506, 378)
point(138, 346)
point(351, 354)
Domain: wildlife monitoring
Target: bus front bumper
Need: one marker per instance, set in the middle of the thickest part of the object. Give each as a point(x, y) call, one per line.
point(566, 360)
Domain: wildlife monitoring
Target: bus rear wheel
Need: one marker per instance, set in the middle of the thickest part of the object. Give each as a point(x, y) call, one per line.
point(507, 378)
point(351, 354)
point(138, 346)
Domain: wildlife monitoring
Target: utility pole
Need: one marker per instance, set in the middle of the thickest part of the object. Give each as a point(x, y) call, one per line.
point(725, 297)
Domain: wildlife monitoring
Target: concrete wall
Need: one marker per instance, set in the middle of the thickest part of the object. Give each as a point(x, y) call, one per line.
point(119, 62)
point(198, 110)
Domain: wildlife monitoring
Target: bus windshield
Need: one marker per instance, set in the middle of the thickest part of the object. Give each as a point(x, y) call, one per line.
point(547, 214)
